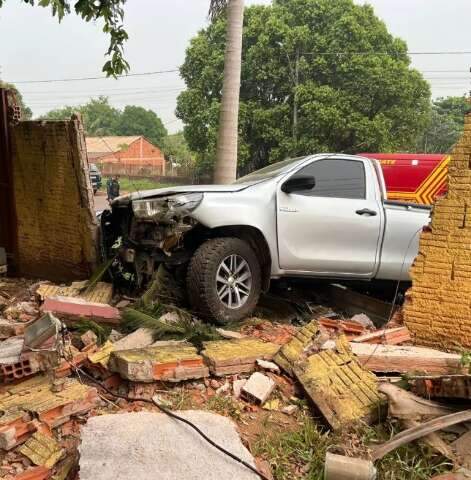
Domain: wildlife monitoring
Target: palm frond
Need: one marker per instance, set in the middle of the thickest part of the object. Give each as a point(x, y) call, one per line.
point(185, 328)
point(216, 7)
point(98, 275)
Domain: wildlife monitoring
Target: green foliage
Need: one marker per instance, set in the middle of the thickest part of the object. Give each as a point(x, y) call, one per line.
point(84, 325)
point(346, 102)
point(176, 148)
point(112, 14)
point(466, 360)
point(185, 328)
point(135, 120)
point(301, 453)
point(26, 112)
point(445, 125)
point(100, 119)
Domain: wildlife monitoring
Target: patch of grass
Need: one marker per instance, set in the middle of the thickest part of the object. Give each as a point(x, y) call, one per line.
point(295, 454)
point(224, 405)
point(300, 454)
point(135, 184)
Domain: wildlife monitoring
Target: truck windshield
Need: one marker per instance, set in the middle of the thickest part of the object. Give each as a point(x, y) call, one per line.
point(270, 171)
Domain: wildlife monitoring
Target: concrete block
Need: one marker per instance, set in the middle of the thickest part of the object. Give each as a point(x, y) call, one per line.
point(237, 356)
point(167, 363)
point(78, 307)
point(147, 446)
point(42, 450)
point(258, 388)
point(41, 330)
point(142, 337)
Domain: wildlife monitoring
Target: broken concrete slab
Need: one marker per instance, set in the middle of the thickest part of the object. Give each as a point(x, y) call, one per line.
point(258, 388)
point(142, 337)
point(291, 352)
point(404, 359)
point(102, 292)
point(34, 397)
point(226, 357)
point(42, 330)
point(10, 350)
point(387, 336)
point(89, 338)
point(78, 307)
point(171, 363)
point(42, 450)
point(137, 445)
point(344, 391)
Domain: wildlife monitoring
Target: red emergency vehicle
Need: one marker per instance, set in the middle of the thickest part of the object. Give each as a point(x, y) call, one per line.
point(414, 177)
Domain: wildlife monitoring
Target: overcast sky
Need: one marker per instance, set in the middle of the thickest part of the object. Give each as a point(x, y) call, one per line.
point(33, 46)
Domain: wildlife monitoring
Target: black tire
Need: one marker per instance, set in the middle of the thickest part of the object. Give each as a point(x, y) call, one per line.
point(201, 280)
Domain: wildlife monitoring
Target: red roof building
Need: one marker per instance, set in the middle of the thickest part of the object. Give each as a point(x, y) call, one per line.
point(129, 156)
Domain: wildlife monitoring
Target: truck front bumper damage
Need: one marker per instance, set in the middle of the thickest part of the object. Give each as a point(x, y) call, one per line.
point(146, 233)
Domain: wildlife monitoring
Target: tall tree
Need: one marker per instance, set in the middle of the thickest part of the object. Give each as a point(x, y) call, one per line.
point(445, 124)
point(100, 118)
point(112, 14)
point(135, 120)
point(225, 169)
point(345, 101)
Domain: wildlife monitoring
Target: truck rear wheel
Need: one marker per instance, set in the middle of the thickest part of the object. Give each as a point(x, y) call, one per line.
point(224, 280)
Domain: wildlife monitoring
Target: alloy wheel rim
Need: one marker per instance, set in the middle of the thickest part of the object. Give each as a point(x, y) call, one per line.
point(233, 281)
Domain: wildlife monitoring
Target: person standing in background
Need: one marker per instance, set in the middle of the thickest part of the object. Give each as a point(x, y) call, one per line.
point(112, 188)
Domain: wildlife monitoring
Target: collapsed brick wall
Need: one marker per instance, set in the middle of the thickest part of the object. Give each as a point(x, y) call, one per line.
point(57, 226)
point(438, 306)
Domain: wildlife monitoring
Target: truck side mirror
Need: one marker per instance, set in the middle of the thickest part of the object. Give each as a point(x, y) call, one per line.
point(298, 183)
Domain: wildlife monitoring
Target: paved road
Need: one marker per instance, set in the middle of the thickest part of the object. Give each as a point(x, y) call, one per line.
point(101, 203)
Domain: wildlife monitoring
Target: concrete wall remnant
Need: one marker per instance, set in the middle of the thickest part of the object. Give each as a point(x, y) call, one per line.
point(438, 306)
point(54, 201)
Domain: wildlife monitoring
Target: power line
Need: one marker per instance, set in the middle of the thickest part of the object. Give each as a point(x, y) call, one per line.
point(81, 79)
point(373, 53)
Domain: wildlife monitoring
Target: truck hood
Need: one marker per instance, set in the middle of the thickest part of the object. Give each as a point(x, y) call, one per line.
point(163, 192)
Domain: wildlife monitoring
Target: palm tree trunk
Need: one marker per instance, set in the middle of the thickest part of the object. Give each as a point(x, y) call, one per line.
point(225, 169)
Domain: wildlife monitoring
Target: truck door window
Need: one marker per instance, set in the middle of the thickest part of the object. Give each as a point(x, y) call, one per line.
point(336, 178)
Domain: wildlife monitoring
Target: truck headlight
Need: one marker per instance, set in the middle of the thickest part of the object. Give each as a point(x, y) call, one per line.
point(184, 203)
point(148, 208)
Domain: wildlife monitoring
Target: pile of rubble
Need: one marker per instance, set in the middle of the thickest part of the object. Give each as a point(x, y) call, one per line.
point(345, 367)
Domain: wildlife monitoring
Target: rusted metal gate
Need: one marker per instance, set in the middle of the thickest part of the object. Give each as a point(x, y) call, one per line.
point(8, 222)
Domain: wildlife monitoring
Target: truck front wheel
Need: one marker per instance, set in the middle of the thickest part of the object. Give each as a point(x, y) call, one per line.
point(224, 280)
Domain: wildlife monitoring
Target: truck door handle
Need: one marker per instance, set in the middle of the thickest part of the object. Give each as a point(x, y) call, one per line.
point(366, 211)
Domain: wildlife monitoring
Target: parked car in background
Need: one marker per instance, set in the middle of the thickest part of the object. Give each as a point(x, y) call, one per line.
point(319, 216)
point(95, 177)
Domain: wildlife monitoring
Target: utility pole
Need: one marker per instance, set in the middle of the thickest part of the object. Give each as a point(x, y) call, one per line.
point(295, 98)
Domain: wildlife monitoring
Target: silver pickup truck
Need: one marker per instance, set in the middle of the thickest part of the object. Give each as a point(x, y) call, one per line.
point(324, 215)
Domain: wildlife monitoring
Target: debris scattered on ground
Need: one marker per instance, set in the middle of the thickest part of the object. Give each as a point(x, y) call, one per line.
point(259, 373)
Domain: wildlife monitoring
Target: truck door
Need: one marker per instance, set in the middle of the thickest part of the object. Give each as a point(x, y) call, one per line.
point(334, 228)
